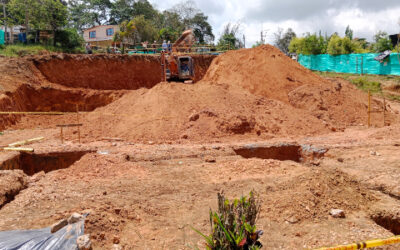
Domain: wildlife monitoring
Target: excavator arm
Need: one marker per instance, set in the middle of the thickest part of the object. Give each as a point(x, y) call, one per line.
point(184, 42)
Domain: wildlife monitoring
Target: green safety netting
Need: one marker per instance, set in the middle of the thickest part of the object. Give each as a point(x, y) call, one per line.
point(353, 63)
point(1, 37)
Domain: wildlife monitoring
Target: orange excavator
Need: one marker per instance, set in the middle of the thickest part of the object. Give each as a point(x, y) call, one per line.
point(176, 67)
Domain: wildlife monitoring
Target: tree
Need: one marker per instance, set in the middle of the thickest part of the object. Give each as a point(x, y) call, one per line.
point(136, 31)
point(55, 14)
point(192, 18)
point(88, 13)
point(39, 15)
point(311, 44)
point(201, 28)
point(340, 46)
point(121, 10)
point(382, 42)
point(230, 38)
point(349, 32)
point(282, 40)
point(68, 39)
point(144, 8)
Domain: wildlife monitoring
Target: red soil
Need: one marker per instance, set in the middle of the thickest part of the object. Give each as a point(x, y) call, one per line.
point(254, 92)
point(264, 70)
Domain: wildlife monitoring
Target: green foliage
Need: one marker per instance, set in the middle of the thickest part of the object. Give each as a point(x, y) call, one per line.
point(349, 32)
point(365, 84)
point(39, 15)
point(69, 39)
point(168, 34)
point(23, 50)
point(233, 226)
point(382, 42)
point(282, 40)
point(308, 45)
point(230, 38)
point(340, 46)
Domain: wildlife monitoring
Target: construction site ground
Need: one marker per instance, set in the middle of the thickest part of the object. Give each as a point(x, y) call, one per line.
point(147, 182)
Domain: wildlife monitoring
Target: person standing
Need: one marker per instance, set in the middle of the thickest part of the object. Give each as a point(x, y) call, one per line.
point(169, 46)
point(88, 49)
point(164, 46)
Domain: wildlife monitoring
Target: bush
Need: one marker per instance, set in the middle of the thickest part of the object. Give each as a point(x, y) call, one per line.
point(68, 39)
point(23, 50)
point(233, 226)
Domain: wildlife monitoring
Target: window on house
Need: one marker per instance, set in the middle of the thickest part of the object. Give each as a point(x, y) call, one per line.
point(92, 34)
point(110, 31)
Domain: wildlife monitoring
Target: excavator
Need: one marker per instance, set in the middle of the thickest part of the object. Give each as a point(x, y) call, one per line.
point(176, 67)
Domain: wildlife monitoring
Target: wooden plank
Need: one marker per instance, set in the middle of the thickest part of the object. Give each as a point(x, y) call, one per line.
point(70, 125)
point(18, 149)
point(111, 139)
point(20, 143)
point(32, 113)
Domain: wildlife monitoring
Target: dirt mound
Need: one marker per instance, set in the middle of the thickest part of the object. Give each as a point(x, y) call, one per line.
point(264, 70)
point(314, 194)
point(268, 72)
point(171, 111)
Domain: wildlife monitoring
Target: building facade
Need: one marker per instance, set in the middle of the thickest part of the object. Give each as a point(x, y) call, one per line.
point(101, 36)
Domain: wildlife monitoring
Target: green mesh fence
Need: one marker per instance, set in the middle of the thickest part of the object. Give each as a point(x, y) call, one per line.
point(1, 37)
point(353, 63)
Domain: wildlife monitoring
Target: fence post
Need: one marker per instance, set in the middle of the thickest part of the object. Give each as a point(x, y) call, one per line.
point(362, 65)
point(356, 64)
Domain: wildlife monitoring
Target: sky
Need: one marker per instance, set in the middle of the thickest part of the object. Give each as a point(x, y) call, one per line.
point(365, 17)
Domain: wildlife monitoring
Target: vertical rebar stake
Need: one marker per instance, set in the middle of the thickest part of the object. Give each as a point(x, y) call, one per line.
point(369, 108)
point(77, 117)
point(384, 111)
point(61, 135)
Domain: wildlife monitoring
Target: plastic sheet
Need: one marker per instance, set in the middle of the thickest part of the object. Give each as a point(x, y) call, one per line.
point(353, 63)
point(40, 239)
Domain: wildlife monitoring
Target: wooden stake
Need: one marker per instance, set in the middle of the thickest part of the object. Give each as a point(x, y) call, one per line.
point(61, 135)
point(77, 117)
point(369, 108)
point(384, 111)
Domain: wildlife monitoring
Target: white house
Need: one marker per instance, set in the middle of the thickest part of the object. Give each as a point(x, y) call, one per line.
point(100, 35)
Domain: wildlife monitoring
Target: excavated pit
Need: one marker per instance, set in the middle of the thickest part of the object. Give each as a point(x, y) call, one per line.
point(281, 152)
point(110, 72)
point(32, 163)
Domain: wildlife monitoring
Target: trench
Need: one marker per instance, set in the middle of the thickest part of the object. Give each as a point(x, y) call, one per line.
point(28, 98)
point(390, 222)
point(281, 152)
point(32, 163)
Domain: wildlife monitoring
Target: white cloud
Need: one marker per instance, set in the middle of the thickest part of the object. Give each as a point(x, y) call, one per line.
point(365, 17)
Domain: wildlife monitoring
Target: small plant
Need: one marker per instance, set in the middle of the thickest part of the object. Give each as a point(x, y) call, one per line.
point(233, 226)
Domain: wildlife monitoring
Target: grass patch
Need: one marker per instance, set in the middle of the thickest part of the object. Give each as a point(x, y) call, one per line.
point(393, 97)
point(364, 84)
point(18, 50)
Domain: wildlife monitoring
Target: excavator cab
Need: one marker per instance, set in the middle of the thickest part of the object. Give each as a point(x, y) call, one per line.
point(185, 68)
